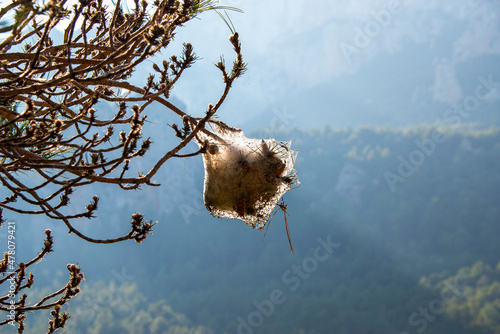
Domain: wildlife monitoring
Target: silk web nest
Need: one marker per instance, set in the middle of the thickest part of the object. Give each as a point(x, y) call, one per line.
point(244, 177)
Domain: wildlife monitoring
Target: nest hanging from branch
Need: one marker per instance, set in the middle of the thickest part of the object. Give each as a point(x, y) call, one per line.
point(244, 177)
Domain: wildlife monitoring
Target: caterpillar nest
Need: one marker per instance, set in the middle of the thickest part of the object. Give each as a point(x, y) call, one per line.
point(245, 177)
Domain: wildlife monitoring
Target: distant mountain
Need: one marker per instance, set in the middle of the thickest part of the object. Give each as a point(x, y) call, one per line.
point(382, 217)
point(405, 68)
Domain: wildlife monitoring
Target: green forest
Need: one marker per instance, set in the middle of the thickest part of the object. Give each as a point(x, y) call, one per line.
point(394, 231)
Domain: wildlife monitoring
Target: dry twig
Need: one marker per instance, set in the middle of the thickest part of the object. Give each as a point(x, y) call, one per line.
point(50, 123)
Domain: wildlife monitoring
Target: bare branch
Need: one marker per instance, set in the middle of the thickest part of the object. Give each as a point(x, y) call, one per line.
point(51, 125)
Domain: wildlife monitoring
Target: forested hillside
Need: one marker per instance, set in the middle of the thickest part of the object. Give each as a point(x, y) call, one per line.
point(394, 231)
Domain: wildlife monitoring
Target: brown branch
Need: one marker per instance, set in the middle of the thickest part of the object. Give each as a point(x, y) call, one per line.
point(64, 137)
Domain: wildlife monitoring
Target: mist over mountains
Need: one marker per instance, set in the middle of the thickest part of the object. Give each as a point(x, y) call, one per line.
point(343, 63)
point(417, 60)
point(392, 246)
point(358, 86)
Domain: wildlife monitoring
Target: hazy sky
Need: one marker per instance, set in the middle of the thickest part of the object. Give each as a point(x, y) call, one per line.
point(296, 48)
point(330, 62)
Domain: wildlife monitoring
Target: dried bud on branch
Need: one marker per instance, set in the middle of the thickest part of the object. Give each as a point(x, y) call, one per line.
point(63, 139)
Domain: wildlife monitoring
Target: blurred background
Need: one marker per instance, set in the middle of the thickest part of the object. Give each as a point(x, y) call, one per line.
point(394, 107)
